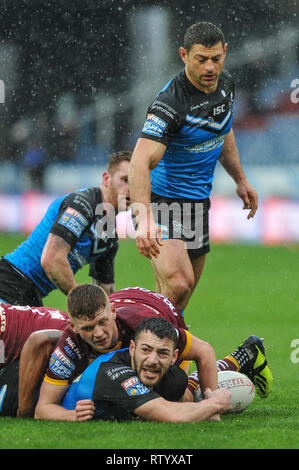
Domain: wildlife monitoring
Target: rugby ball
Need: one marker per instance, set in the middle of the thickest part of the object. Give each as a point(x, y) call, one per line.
point(240, 386)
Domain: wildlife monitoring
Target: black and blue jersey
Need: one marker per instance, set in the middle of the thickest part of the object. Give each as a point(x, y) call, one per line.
point(193, 126)
point(116, 390)
point(76, 218)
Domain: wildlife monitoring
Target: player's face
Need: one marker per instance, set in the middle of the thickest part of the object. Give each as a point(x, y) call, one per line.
point(151, 357)
point(118, 187)
point(99, 332)
point(204, 65)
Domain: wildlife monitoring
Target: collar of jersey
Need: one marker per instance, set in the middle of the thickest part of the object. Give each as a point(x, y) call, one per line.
point(117, 346)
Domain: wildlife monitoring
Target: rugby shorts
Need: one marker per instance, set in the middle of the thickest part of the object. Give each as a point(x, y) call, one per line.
point(9, 383)
point(184, 219)
point(16, 288)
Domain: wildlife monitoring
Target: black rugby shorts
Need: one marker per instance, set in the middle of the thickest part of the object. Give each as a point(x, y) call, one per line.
point(16, 288)
point(9, 382)
point(184, 219)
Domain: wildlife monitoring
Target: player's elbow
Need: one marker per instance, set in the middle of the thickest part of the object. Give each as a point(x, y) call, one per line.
point(50, 260)
point(39, 412)
point(47, 261)
point(43, 341)
point(207, 353)
point(54, 254)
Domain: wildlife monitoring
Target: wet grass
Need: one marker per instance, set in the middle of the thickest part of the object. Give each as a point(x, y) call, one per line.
point(245, 289)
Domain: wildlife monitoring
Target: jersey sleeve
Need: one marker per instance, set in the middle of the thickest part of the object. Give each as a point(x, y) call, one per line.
point(67, 361)
point(162, 121)
point(102, 269)
point(184, 343)
point(76, 214)
point(119, 384)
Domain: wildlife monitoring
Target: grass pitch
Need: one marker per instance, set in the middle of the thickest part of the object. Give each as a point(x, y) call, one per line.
point(245, 289)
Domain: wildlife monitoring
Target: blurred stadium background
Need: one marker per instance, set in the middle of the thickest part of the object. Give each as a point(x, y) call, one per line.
point(79, 75)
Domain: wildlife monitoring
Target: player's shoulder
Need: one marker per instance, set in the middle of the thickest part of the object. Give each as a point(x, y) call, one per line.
point(170, 100)
point(91, 194)
point(131, 295)
point(169, 90)
point(54, 313)
point(20, 310)
point(70, 342)
point(114, 365)
point(85, 200)
point(120, 357)
point(3, 306)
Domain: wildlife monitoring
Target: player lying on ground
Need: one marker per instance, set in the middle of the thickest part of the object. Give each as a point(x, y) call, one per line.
point(99, 324)
point(171, 388)
point(136, 382)
point(128, 307)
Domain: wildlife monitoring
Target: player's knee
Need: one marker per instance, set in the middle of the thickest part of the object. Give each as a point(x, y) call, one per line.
point(207, 352)
point(181, 287)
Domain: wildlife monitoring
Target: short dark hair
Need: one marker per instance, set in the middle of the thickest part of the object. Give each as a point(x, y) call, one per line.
point(116, 158)
point(159, 327)
point(204, 33)
point(85, 300)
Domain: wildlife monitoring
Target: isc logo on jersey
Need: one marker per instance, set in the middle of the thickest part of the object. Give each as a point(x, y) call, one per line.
point(154, 125)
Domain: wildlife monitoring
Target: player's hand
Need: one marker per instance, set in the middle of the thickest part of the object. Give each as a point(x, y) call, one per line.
point(148, 237)
point(216, 418)
point(249, 197)
point(222, 397)
point(84, 410)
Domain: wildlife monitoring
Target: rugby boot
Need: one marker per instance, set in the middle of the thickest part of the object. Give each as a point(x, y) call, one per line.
point(251, 357)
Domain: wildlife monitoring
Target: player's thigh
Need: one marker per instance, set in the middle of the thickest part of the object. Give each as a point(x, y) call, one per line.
point(173, 262)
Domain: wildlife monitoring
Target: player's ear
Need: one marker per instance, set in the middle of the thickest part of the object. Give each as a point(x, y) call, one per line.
point(106, 178)
point(113, 310)
point(174, 356)
point(72, 325)
point(225, 48)
point(183, 54)
point(132, 348)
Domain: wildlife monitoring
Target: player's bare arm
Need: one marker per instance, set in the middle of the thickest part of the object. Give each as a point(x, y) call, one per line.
point(56, 265)
point(34, 360)
point(49, 408)
point(178, 412)
point(230, 160)
point(204, 356)
point(146, 156)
